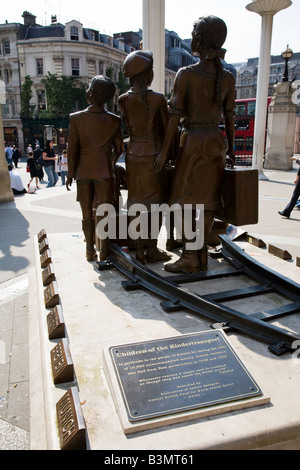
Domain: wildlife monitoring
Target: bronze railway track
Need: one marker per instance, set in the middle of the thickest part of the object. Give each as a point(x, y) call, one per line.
point(256, 325)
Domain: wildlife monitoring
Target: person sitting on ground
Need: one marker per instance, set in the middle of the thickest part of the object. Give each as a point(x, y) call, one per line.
point(16, 182)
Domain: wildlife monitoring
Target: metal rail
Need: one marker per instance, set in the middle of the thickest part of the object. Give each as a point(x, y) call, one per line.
point(255, 325)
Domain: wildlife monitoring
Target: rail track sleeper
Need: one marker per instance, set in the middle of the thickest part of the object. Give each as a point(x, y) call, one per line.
point(236, 294)
point(277, 312)
point(203, 275)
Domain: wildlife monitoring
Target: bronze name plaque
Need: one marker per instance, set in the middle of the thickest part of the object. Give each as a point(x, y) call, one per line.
point(48, 275)
point(45, 259)
point(61, 362)
point(71, 426)
point(51, 295)
point(41, 235)
point(56, 323)
point(178, 374)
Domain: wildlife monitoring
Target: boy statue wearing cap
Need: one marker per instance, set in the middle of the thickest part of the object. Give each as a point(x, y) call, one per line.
point(145, 116)
point(95, 144)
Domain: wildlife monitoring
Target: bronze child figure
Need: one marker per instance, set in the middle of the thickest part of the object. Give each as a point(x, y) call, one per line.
point(145, 116)
point(95, 144)
point(201, 93)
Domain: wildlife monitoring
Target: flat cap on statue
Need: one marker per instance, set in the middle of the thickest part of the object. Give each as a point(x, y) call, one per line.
point(137, 62)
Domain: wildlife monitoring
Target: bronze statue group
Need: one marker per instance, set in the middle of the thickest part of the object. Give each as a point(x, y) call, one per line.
point(202, 93)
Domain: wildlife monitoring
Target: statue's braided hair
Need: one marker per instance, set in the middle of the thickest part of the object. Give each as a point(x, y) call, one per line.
point(212, 32)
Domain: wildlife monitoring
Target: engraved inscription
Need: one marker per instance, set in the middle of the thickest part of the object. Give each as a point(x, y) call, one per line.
point(45, 259)
point(72, 432)
point(41, 235)
point(177, 374)
point(48, 275)
point(43, 246)
point(62, 365)
point(56, 324)
point(51, 296)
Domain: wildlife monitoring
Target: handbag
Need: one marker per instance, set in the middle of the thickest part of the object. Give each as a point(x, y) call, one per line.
point(239, 197)
point(28, 169)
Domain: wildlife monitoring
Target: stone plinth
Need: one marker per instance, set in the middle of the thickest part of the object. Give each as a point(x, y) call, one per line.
point(281, 128)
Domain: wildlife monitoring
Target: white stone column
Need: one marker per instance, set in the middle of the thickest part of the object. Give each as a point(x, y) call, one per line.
point(154, 39)
point(266, 9)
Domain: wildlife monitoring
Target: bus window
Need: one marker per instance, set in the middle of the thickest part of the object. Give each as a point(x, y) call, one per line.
point(249, 143)
point(240, 109)
point(239, 144)
point(251, 108)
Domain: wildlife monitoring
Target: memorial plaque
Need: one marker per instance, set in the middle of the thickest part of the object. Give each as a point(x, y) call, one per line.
point(41, 235)
point(45, 259)
point(56, 324)
point(48, 275)
point(51, 295)
point(62, 364)
point(43, 246)
point(71, 426)
point(179, 374)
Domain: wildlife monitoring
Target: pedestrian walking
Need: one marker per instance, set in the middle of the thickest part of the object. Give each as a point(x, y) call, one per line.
point(49, 159)
point(38, 157)
point(16, 156)
point(63, 165)
point(295, 196)
point(34, 169)
point(9, 154)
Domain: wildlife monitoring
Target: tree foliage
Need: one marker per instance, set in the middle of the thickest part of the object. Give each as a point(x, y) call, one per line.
point(26, 95)
point(64, 95)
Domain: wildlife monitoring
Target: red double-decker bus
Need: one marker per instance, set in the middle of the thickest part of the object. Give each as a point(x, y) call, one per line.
point(244, 129)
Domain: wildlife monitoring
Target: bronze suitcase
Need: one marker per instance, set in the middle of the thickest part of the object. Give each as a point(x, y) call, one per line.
point(239, 197)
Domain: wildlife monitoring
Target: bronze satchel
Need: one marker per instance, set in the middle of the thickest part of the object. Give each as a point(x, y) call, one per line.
point(239, 197)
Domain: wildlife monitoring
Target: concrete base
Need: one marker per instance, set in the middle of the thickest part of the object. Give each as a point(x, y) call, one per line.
point(6, 193)
point(98, 314)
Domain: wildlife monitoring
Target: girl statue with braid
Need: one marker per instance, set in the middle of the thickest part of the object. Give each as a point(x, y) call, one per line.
point(202, 92)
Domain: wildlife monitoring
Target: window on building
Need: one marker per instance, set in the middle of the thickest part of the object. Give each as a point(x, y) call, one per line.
point(239, 144)
point(41, 100)
point(249, 143)
point(74, 33)
point(240, 109)
point(101, 68)
point(5, 109)
point(251, 108)
point(6, 47)
point(7, 75)
point(39, 67)
point(75, 67)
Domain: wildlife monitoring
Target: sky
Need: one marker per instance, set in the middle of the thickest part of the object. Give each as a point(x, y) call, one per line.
point(114, 16)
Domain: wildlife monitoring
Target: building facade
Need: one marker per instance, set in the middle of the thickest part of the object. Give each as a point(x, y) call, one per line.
point(246, 80)
point(70, 50)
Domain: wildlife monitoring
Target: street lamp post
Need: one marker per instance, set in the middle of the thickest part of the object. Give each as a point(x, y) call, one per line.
point(266, 9)
point(287, 54)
